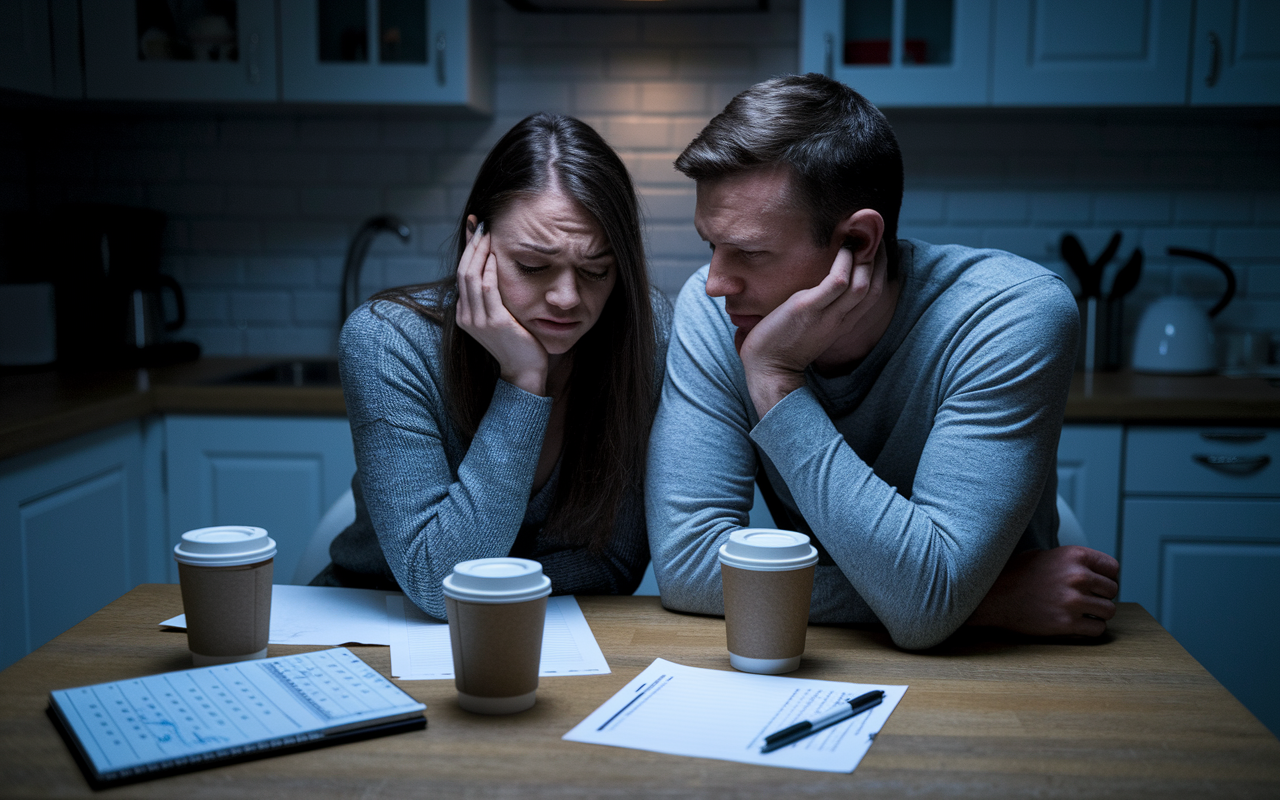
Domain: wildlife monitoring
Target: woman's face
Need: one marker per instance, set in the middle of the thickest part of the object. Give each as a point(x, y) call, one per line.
point(555, 267)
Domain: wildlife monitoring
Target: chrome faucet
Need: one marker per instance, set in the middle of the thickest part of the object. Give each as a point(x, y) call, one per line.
point(358, 250)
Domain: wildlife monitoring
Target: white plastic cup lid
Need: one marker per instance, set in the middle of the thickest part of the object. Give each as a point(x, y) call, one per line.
point(224, 546)
point(768, 550)
point(497, 580)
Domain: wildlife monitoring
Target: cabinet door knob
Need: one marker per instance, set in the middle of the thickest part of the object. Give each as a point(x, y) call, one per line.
point(1234, 465)
point(1215, 60)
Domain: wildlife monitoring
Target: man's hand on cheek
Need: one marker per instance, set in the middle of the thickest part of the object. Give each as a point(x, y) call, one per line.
point(776, 352)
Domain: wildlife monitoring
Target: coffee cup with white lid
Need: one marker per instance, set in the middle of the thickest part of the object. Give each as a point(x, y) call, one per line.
point(225, 574)
point(496, 609)
point(768, 580)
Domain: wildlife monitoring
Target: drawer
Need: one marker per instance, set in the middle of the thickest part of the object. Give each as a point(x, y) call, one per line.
point(1209, 461)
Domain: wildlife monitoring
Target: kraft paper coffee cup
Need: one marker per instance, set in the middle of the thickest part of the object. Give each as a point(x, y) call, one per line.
point(225, 572)
point(496, 609)
point(768, 579)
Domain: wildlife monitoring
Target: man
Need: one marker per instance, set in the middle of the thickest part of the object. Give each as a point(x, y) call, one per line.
point(901, 402)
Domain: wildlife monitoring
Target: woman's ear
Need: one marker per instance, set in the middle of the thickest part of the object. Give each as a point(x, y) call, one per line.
point(471, 226)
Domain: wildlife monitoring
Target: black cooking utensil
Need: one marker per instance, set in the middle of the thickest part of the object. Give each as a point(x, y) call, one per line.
point(1124, 283)
point(1128, 276)
point(1108, 253)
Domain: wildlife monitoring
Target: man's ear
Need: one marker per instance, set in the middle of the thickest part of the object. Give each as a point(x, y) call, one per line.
point(861, 232)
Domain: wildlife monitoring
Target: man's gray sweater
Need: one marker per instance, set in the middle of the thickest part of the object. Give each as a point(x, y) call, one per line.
point(919, 472)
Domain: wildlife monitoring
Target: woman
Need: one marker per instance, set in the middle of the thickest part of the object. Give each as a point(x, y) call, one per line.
point(506, 411)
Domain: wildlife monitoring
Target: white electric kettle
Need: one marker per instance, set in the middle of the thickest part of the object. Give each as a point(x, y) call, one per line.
point(1175, 336)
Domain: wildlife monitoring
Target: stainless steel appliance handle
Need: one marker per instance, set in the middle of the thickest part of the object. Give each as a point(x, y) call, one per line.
point(1233, 465)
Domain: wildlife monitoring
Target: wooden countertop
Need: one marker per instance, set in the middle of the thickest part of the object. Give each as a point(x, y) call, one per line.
point(43, 408)
point(986, 715)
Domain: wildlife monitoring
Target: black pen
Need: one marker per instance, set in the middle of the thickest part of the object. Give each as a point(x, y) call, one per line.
point(796, 732)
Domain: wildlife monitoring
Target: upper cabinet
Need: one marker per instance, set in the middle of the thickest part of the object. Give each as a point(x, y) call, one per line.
point(382, 51)
point(198, 50)
point(901, 52)
point(26, 63)
point(1047, 52)
point(1091, 52)
point(1236, 53)
point(425, 52)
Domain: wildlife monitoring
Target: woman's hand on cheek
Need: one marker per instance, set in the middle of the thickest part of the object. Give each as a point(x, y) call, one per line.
point(522, 360)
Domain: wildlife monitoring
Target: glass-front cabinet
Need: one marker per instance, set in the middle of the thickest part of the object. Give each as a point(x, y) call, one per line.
point(180, 49)
point(381, 51)
point(431, 52)
point(901, 52)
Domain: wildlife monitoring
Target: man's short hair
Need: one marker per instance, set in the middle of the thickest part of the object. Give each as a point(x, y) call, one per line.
point(840, 149)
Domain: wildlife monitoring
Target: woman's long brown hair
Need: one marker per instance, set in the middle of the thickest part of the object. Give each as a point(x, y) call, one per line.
point(611, 392)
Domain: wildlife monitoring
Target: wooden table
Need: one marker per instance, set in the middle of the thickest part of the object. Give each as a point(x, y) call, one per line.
point(986, 716)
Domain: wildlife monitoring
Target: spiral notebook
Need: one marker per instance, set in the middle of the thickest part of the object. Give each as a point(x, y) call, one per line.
point(143, 728)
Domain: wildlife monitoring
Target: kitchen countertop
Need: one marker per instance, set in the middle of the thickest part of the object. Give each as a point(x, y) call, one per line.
point(42, 408)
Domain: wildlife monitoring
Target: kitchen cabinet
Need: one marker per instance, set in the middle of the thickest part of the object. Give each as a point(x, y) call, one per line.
point(901, 52)
point(1046, 52)
point(26, 60)
point(1091, 52)
point(1235, 55)
point(278, 473)
point(385, 51)
point(1089, 461)
point(333, 51)
point(200, 50)
point(80, 525)
point(1201, 550)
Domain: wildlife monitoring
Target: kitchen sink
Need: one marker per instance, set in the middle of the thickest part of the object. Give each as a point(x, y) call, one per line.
point(313, 372)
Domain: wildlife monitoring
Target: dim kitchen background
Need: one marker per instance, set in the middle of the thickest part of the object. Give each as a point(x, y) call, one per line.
point(262, 200)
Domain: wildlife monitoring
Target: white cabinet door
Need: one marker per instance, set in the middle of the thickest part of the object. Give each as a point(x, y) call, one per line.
point(1091, 52)
point(77, 530)
point(385, 51)
point(933, 52)
point(1236, 53)
point(1089, 458)
point(278, 473)
point(1209, 571)
point(195, 50)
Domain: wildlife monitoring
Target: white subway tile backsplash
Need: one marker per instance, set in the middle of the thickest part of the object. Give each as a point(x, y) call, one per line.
point(262, 201)
point(1061, 207)
point(998, 207)
point(922, 206)
point(1247, 243)
point(1157, 241)
point(1202, 206)
point(261, 306)
point(1143, 207)
point(296, 341)
point(285, 272)
point(181, 199)
point(224, 236)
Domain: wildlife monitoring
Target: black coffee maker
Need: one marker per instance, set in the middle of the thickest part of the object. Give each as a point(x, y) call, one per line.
point(109, 292)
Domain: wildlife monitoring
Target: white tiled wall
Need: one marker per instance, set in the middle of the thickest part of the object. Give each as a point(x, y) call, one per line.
point(262, 202)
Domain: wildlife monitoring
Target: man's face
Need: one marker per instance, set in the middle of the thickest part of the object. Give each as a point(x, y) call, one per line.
point(762, 249)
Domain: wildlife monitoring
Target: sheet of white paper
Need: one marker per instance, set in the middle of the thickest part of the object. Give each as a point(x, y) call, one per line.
point(323, 615)
point(421, 650)
point(671, 708)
